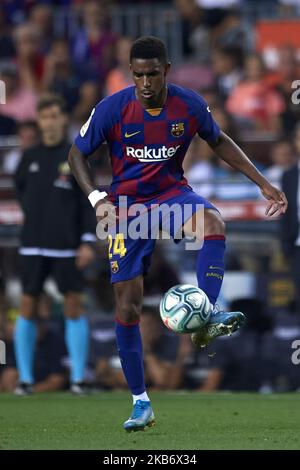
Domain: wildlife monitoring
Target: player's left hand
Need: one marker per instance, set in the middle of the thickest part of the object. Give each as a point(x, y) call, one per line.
point(85, 255)
point(277, 200)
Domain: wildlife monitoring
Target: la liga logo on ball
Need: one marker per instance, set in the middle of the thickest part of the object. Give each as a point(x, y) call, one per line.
point(185, 308)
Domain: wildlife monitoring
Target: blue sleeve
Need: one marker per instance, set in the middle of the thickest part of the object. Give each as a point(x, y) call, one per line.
point(208, 128)
point(94, 132)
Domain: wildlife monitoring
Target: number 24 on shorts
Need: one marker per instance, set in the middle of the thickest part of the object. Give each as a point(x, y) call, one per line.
point(116, 246)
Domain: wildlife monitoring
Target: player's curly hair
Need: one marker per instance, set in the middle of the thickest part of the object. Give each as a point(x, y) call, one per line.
point(149, 47)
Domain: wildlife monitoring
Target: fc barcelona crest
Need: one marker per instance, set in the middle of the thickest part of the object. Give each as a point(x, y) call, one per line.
point(114, 266)
point(177, 129)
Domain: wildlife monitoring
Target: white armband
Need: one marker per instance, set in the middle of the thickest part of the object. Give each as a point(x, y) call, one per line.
point(96, 196)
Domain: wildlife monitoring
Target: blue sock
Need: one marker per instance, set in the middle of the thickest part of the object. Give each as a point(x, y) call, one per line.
point(210, 266)
point(25, 339)
point(130, 349)
point(77, 341)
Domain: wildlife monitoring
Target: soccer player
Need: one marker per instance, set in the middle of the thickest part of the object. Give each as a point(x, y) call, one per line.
point(148, 128)
point(58, 229)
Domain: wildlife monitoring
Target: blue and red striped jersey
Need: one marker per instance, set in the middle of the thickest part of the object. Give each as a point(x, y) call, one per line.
point(147, 147)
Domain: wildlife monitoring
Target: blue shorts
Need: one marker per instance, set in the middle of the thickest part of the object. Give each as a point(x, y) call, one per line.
point(130, 256)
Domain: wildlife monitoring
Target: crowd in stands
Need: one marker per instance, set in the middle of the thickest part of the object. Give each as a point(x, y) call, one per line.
point(245, 90)
point(249, 94)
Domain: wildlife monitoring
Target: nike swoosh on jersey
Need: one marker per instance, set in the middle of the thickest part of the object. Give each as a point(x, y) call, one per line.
point(131, 135)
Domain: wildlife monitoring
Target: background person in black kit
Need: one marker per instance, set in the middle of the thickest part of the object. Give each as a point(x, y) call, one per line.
point(58, 228)
point(50, 370)
point(290, 222)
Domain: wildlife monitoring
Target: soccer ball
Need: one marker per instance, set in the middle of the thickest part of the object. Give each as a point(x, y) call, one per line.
point(185, 308)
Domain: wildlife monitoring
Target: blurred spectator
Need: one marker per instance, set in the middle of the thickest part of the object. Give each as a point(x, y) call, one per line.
point(282, 157)
point(29, 58)
point(41, 17)
point(226, 63)
point(28, 135)
point(253, 102)
point(88, 98)
point(285, 65)
point(289, 8)
point(7, 49)
point(93, 45)
point(20, 100)
point(49, 369)
point(290, 221)
point(60, 75)
point(120, 76)
point(209, 23)
point(278, 371)
point(223, 19)
point(288, 71)
point(16, 10)
point(229, 30)
point(231, 363)
point(195, 32)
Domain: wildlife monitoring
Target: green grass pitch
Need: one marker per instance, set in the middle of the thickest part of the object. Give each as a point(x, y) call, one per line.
point(183, 421)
